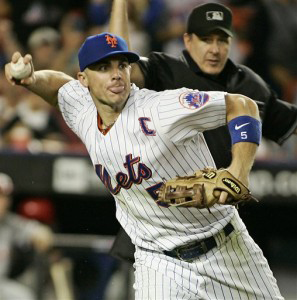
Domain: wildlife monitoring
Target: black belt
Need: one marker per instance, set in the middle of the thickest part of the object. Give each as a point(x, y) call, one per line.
point(191, 251)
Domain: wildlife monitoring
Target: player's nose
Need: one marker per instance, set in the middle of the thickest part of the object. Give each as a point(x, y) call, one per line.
point(116, 74)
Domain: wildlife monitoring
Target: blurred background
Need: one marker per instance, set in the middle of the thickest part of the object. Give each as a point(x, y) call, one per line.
point(54, 182)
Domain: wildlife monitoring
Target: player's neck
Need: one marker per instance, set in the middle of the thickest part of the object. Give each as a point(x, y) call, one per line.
point(108, 117)
point(108, 113)
point(106, 125)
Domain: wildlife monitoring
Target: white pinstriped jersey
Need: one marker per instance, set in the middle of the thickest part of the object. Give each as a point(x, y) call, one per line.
point(156, 137)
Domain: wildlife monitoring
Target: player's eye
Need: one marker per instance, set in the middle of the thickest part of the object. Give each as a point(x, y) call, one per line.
point(124, 65)
point(101, 68)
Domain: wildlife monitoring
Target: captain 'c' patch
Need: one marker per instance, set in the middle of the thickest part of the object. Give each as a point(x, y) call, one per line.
point(193, 100)
point(144, 126)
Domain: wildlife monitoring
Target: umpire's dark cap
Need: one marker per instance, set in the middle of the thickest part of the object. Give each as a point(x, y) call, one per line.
point(209, 17)
point(100, 46)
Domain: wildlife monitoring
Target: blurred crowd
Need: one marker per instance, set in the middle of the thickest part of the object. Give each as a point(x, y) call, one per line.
point(53, 30)
point(24, 238)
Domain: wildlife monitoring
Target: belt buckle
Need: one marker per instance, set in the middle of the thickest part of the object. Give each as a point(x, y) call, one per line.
point(201, 246)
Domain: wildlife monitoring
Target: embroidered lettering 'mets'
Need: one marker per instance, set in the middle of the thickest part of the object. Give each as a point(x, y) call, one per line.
point(111, 40)
point(125, 180)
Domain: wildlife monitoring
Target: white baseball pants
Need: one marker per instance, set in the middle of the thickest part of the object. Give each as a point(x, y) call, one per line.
point(236, 269)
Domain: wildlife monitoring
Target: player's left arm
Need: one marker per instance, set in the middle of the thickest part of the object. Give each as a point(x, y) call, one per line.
point(242, 116)
point(245, 130)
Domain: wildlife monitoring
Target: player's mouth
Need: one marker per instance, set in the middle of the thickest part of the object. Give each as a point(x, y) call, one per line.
point(117, 89)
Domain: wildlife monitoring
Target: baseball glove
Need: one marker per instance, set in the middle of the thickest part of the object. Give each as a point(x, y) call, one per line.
point(199, 189)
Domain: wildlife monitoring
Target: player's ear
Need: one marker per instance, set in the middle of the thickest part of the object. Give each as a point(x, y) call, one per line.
point(83, 79)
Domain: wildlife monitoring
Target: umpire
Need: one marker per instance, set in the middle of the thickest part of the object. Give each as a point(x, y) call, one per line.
point(205, 65)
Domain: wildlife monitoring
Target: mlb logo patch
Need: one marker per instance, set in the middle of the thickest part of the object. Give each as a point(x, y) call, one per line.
point(214, 16)
point(193, 100)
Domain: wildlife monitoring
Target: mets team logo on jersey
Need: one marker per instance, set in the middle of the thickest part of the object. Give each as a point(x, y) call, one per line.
point(193, 100)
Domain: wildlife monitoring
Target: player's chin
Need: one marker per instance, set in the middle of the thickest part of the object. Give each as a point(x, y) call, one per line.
point(119, 96)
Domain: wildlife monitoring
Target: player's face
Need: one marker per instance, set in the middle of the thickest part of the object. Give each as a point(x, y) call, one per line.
point(109, 81)
point(209, 52)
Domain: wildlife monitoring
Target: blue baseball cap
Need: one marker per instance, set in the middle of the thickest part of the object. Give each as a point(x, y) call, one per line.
point(100, 46)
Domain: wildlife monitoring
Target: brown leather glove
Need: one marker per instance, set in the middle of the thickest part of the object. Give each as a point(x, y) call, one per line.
point(198, 190)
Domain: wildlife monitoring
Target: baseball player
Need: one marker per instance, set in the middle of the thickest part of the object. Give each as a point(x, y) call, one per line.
point(137, 139)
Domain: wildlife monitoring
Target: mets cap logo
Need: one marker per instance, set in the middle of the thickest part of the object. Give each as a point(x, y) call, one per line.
point(111, 40)
point(193, 100)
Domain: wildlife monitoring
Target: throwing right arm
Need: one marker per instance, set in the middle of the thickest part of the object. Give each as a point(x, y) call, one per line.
point(45, 83)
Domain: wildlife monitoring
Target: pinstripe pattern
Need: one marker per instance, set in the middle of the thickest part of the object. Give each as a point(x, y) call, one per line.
point(131, 163)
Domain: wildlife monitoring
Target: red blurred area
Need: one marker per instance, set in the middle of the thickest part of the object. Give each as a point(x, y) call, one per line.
point(40, 209)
